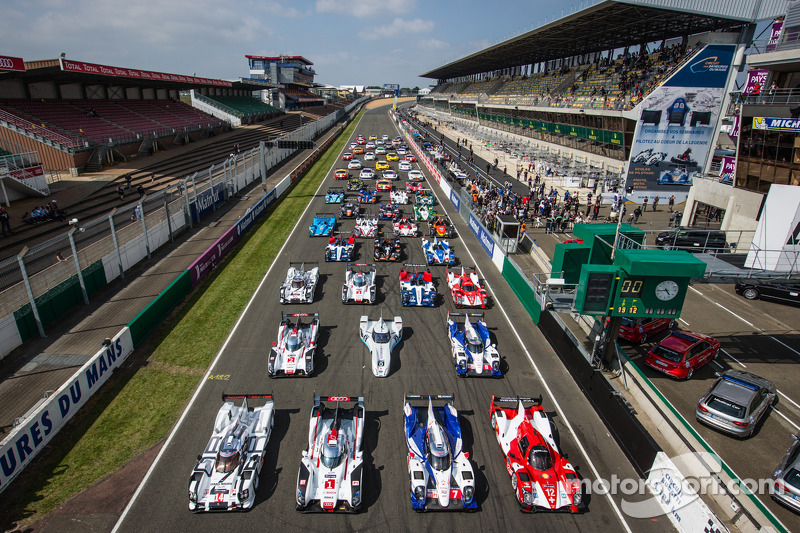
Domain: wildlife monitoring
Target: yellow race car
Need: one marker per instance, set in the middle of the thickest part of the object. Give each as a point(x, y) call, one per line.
point(391, 156)
point(373, 137)
point(381, 165)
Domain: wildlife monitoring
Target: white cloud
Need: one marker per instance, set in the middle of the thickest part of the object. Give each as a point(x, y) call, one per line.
point(398, 27)
point(366, 8)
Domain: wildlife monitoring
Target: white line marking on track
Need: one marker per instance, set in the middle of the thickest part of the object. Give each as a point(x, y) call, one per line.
point(785, 418)
point(682, 320)
point(732, 357)
point(719, 365)
point(788, 399)
point(737, 316)
point(695, 290)
point(783, 344)
point(213, 364)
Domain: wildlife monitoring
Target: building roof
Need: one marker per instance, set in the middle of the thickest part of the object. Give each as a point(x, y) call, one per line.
point(300, 59)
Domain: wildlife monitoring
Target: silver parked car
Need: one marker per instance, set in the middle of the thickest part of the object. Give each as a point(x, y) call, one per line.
point(787, 478)
point(736, 402)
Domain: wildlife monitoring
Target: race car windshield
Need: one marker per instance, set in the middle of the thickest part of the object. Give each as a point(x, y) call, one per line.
point(439, 463)
point(293, 343)
point(359, 280)
point(297, 283)
point(666, 353)
point(332, 456)
point(380, 338)
point(539, 458)
point(468, 287)
point(226, 462)
point(475, 346)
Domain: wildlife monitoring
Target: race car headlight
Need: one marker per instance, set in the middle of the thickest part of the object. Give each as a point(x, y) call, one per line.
point(309, 366)
point(462, 365)
point(419, 493)
point(244, 494)
point(495, 365)
point(469, 492)
point(356, 498)
point(577, 498)
point(192, 496)
point(527, 498)
point(301, 498)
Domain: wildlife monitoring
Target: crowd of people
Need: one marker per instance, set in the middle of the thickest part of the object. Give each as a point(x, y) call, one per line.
point(45, 213)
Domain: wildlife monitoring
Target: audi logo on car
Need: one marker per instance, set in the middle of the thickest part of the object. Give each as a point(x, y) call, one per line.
point(338, 398)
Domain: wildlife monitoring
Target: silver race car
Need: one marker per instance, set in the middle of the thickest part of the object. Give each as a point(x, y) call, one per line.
point(329, 479)
point(293, 353)
point(359, 284)
point(300, 283)
point(226, 475)
point(381, 338)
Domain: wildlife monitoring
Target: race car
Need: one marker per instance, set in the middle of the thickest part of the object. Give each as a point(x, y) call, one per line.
point(388, 211)
point(541, 476)
point(340, 248)
point(415, 176)
point(366, 226)
point(355, 184)
point(423, 213)
point(417, 288)
point(299, 285)
point(466, 288)
point(354, 164)
point(358, 150)
point(438, 252)
point(391, 156)
point(398, 196)
point(349, 209)
point(359, 284)
point(405, 228)
point(366, 196)
point(322, 225)
point(387, 249)
point(390, 174)
point(373, 137)
point(360, 139)
point(369, 156)
point(441, 226)
point(405, 166)
point(401, 150)
point(439, 470)
point(225, 477)
point(347, 156)
point(472, 348)
point(383, 185)
point(335, 195)
point(411, 158)
point(293, 353)
point(367, 174)
point(370, 145)
point(381, 338)
point(424, 197)
point(341, 174)
point(381, 165)
point(330, 478)
point(380, 150)
point(352, 145)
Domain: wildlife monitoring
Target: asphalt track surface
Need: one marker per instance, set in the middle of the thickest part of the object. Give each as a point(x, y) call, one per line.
point(421, 364)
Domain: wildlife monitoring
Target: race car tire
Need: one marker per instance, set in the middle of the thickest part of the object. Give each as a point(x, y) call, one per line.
point(514, 484)
point(643, 338)
point(690, 374)
point(494, 421)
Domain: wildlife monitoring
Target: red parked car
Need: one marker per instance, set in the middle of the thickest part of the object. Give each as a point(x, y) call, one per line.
point(637, 330)
point(681, 353)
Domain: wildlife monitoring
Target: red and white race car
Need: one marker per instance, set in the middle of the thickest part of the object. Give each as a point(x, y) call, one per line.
point(466, 288)
point(405, 227)
point(341, 174)
point(541, 476)
point(414, 186)
point(366, 226)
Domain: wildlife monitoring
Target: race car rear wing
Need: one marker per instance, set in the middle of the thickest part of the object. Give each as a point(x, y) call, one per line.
point(434, 397)
point(324, 215)
point(517, 399)
point(367, 265)
point(357, 399)
point(302, 263)
point(287, 315)
point(476, 315)
point(226, 397)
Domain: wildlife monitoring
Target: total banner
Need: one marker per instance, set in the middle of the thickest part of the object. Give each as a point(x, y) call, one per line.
point(674, 133)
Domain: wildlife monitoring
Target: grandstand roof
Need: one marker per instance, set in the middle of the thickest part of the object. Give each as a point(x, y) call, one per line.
point(301, 59)
point(611, 24)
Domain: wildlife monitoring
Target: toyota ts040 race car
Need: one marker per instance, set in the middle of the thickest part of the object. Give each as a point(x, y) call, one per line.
point(366, 226)
point(381, 338)
point(300, 283)
point(417, 288)
point(359, 284)
point(438, 252)
point(439, 469)
point(226, 475)
point(293, 353)
point(472, 348)
point(340, 248)
point(466, 289)
point(329, 479)
point(541, 476)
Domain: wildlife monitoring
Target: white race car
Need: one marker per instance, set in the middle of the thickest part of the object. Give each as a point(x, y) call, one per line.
point(300, 283)
point(366, 226)
point(329, 479)
point(404, 166)
point(398, 196)
point(359, 284)
point(226, 475)
point(472, 348)
point(381, 338)
point(293, 353)
point(405, 227)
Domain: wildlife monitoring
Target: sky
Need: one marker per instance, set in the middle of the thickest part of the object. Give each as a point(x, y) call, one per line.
point(350, 42)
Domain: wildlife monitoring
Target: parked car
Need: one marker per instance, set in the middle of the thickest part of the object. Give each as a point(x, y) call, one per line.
point(783, 292)
point(680, 353)
point(787, 478)
point(693, 240)
point(736, 402)
point(637, 330)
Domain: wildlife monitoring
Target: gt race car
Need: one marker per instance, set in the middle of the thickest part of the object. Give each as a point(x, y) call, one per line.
point(387, 249)
point(366, 174)
point(466, 288)
point(330, 478)
point(293, 353)
point(381, 338)
point(366, 226)
point(359, 284)
point(340, 248)
point(398, 196)
point(335, 195)
point(438, 252)
point(225, 477)
point(415, 176)
point(299, 285)
point(472, 348)
point(341, 174)
point(322, 225)
point(542, 478)
point(423, 213)
point(439, 469)
point(405, 227)
point(417, 288)
point(383, 185)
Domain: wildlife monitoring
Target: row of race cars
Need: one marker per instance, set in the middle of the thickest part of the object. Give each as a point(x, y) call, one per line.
point(330, 476)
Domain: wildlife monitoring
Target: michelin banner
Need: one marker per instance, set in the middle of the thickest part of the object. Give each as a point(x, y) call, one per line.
point(674, 133)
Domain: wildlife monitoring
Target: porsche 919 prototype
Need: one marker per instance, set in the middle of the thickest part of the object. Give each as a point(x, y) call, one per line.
point(381, 338)
point(417, 288)
point(293, 353)
point(359, 284)
point(472, 348)
point(300, 283)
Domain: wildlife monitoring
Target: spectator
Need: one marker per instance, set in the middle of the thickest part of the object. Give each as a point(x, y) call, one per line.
point(27, 219)
point(5, 221)
point(121, 192)
point(128, 181)
point(140, 191)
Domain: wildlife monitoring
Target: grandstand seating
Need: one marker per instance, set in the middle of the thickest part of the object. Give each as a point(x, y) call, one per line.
point(246, 105)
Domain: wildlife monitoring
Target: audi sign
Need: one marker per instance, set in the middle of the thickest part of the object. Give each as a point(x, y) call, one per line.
point(12, 63)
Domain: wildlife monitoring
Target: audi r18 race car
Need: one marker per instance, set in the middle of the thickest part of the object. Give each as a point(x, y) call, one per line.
point(335, 195)
point(424, 197)
point(441, 227)
point(341, 174)
point(340, 249)
point(366, 226)
point(438, 252)
point(417, 288)
point(359, 284)
point(381, 338)
point(387, 249)
point(366, 196)
point(466, 289)
point(472, 348)
point(322, 225)
point(423, 213)
point(542, 478)
point(405, 227)
point(349, 209)
point(293, 353)
point(355, 184)
point(388, 211)
point(440, 472)
point(329, 479)
point(398, 196)
point(300, 283)
point(225, 477)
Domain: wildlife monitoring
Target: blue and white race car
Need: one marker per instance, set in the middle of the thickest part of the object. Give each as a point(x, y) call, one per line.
point(340, 248)
point(367, 196)
point(438, 252)
point(335, 195)
point(472, 348)
point(417, 288)
point(322, 225)
point(439, 470)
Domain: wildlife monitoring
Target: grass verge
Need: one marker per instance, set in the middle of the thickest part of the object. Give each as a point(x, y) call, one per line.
point(124, 419)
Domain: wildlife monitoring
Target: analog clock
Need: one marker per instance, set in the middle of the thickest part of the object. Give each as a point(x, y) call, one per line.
point(667, 290)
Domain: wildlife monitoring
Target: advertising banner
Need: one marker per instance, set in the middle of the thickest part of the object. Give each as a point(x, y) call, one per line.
point(727, 171)
point(734, 134)
point(673, 137)
point(756, 81)
point(254, 213)
point(208, 200)
point(207, 262)
point(23, 174)
point(776, 124)
point(455, 199)
point(104, 70)
point(775, 36)
point(483, 236)
point(12, 63)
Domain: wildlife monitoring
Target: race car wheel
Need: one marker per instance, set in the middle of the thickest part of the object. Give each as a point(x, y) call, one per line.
point(494, 421)
point(690, 373)
point(667, 246)
point(514, 484)
point(643, 337)
point(750, 294)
